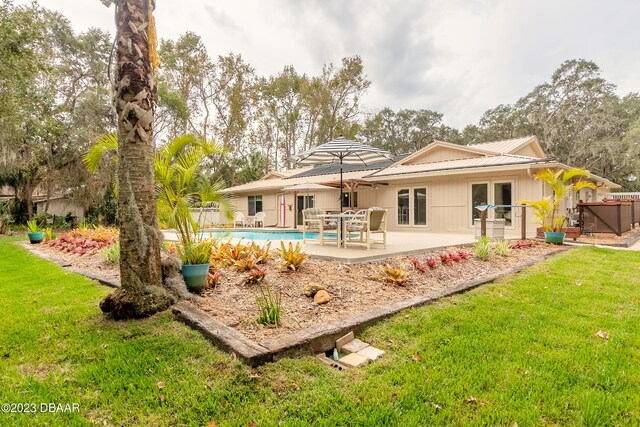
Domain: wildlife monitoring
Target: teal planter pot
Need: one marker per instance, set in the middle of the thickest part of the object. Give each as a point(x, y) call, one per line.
point(195, 276)
point(553, 237)
point(36, 237)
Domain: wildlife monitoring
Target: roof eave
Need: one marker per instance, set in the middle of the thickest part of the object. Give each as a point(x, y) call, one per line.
point(459, 170)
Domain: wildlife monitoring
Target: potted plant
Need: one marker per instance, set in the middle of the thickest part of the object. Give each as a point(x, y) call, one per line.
point(547, 210)
point(179, 190)
point(195, 263)
point(35, 233)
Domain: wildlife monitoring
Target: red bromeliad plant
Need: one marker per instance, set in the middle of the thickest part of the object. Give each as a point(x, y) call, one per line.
point(79, 245)
point(446, 259)
point(432, 262)
point(455, 257)
point(256, 275)
point(464, 254)
point(521, 244)
point(422, 268)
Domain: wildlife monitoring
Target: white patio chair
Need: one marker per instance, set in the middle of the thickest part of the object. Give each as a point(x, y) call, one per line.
point(238, 218)
point(258, 218)
point(311, 221)
point(373, 222)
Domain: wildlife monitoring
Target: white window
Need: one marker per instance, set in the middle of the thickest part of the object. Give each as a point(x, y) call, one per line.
point(411, 206)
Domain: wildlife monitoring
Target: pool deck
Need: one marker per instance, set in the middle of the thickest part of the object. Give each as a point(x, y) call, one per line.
point(398, 243)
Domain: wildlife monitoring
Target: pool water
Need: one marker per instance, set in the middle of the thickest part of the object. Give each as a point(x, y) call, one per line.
point(263, 234)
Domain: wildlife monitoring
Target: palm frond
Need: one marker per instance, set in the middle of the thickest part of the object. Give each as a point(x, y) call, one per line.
point(573, 172)
point(107, 143)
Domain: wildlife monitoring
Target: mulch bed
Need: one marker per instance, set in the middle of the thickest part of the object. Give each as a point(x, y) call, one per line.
point(608, 238)
point(354, 288)
point(89, 262)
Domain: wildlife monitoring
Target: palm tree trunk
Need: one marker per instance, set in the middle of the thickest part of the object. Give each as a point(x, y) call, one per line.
point(142, 293)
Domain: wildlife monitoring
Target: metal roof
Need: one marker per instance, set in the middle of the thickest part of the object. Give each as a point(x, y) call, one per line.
point(502, 147)
point(474, 162)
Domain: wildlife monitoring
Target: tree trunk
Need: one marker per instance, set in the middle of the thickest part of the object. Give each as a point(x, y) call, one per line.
point(141, 293)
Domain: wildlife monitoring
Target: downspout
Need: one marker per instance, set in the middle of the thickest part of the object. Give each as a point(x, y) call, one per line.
point(278, 210)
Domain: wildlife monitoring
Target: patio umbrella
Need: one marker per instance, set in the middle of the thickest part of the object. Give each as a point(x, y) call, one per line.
point(345, 151)
point(307, 186)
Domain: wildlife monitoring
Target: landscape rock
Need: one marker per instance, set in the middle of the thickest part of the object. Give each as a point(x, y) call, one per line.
point(322, 297)
point(311, 289)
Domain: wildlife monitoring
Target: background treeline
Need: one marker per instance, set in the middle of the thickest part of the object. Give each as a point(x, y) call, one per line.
point(55, 102)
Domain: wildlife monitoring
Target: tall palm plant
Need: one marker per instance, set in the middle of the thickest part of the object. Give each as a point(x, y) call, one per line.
point(177, 166)
point(562, 183)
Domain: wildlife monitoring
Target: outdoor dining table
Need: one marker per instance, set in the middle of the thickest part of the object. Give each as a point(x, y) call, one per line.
point(339, 217)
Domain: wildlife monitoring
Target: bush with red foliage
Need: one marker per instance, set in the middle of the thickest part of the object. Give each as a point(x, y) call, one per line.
point(432, 262)
point(77, 245)
point(520, 244)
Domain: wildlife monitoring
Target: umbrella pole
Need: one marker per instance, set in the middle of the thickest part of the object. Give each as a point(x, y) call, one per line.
point(341, 185)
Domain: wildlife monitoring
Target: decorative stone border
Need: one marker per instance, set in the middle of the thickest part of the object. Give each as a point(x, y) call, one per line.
point(320, 338)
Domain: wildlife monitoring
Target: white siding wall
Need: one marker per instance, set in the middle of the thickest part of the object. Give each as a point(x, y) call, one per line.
point(61, 207)
point(449, 200)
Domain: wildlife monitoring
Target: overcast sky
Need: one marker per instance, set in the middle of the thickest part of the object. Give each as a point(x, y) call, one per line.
point(458, 57)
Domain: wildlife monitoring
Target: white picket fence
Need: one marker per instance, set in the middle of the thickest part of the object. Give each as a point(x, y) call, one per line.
point(603, 196)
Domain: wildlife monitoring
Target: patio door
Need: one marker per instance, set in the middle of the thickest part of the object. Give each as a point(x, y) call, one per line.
point(302, 203)
point(492, 193)
point(411, 206)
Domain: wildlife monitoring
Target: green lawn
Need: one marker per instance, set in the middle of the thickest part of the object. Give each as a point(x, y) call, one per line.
point(521, 350)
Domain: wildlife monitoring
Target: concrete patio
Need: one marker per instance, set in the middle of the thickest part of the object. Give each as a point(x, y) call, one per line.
point(398, 243)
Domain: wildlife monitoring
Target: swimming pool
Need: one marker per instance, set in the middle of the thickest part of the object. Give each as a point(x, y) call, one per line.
point(263, 234)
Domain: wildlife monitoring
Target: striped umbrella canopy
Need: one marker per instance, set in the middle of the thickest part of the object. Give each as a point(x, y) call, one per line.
point(345, 151)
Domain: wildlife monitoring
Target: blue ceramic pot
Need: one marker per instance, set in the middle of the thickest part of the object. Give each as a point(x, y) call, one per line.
point(195, 275)
point(36, 237)
point(554, 237)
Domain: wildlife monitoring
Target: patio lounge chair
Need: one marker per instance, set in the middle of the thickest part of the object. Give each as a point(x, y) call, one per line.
point(373, 222)
point(238, 218)
point(258, 218)
point(311, 221)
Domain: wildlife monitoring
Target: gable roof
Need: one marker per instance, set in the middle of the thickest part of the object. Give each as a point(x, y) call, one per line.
point(473, 152)
point(509, 146)
point(400, 171)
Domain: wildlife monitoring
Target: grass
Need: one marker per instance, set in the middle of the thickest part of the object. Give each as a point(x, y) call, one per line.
point(521, 350)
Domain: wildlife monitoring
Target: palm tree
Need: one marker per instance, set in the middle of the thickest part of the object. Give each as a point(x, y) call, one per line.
point(177, 166)
point(547, 210)
point(141, 293)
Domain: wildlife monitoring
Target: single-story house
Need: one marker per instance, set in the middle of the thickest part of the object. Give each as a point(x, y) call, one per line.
point(59, 204)
point(434, 189)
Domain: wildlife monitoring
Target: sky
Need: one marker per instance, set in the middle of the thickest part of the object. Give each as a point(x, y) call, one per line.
point(457, 57)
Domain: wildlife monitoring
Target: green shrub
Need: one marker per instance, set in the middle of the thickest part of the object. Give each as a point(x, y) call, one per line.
point(111, 254)
point(482, 249)
point(501, 247)
point(269, 304)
